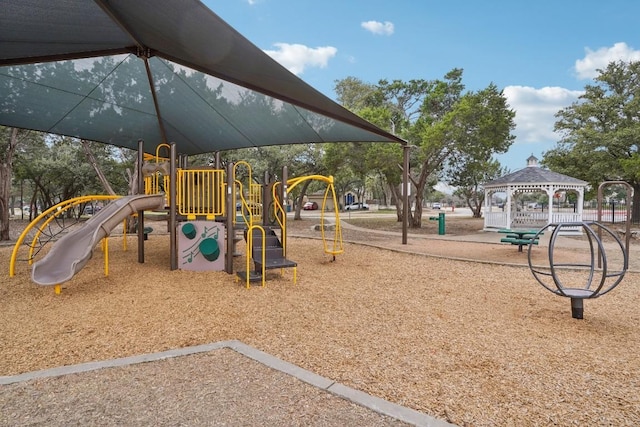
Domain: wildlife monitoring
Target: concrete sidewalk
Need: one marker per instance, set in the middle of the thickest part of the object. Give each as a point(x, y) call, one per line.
point(238, 385)
point(493, 238)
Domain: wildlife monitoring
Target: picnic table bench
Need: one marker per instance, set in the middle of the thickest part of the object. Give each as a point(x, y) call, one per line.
point(519, 237)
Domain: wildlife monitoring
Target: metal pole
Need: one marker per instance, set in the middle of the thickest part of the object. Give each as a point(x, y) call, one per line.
point(405, 192)
point(283, 204)
point(140, 191)
point(231, 212)
point(173, 233)
point(266, 198)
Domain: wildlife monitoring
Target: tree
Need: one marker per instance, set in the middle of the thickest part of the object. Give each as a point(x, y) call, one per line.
point(411, 110)
point(10, 138)
point(57, 170)
point(481, 124)
point(469, 184)
point(445, 129)
point(93, 161)
point(601, 131)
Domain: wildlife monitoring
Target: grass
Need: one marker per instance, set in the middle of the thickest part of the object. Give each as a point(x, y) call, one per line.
point(454, 225)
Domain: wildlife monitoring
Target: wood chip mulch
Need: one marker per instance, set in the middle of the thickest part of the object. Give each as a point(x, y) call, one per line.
point(471, 343)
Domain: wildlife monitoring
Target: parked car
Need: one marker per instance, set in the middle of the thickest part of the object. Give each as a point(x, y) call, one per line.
point(310, 206)
point(256, 208)
point(356, 207)
point(436, 206)
point(91, 209)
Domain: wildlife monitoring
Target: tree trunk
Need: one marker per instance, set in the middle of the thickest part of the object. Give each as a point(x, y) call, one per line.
point(477, 211)
point(398, 199)
point(299, 205)
point(416, 220)
point(96, 167)
point(6, 171)
point(5, 192)
point(474, 202)
point(132, 178)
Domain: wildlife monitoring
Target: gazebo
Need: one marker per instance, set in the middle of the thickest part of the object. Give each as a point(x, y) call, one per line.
point(515, 213)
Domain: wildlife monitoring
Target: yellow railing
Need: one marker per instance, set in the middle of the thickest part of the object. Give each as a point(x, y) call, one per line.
point(251, 209)
point(43, 220)
point(201, 193)
point(156, 184)
point(337, 247)
point(155, 172)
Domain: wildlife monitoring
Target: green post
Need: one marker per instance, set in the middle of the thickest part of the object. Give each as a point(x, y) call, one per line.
point(441, 224)
point(440, 219)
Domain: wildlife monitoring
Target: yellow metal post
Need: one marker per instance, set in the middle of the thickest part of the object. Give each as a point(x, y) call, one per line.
point(105, 249)
point(124, 234)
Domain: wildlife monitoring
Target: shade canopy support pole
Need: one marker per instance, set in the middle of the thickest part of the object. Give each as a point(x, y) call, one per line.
point(173, 207)
point(140, 178)
point(405, 192)
point(154, 95)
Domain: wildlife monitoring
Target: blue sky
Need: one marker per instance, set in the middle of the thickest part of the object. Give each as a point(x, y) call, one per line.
point(542, 53)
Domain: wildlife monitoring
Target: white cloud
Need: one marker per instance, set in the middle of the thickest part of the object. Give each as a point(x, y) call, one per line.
point(536, 107)
point(535, 111)
point(587, 68)
point(295, 57)
point(375, 27)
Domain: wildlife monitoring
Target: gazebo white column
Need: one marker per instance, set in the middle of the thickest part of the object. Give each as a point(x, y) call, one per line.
point(550, 192)
point(508, 205)
point(580, 201)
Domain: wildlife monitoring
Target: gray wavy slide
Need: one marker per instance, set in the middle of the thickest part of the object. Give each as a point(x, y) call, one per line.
point(72, 252)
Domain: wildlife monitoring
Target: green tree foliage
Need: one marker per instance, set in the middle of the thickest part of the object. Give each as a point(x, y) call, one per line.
point(57, 169)
point(601, 131)
point(300, 160)
point(11, 141)
point(470, 183)
point(481, 125)
point(445, 128)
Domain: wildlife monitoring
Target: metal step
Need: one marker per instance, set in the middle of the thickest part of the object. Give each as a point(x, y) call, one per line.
point(274, 263)
point(269, 252)
point(270, 241)
point(254, 276)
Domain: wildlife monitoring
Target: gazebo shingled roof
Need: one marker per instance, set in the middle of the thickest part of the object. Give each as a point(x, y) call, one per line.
point(531, 174)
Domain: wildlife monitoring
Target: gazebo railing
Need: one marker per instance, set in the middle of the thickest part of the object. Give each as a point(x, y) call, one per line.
point(495, 220)
point(528, 219)
point(566, 217)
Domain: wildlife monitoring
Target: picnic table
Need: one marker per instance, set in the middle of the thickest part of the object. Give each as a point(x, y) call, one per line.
point(520, 237)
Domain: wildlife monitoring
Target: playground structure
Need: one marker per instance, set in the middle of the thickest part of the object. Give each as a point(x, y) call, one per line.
point(575, 280)
point(582, 275)
point(206, 208)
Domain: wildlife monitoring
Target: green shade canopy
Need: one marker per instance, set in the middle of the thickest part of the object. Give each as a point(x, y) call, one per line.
point(116, 71)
